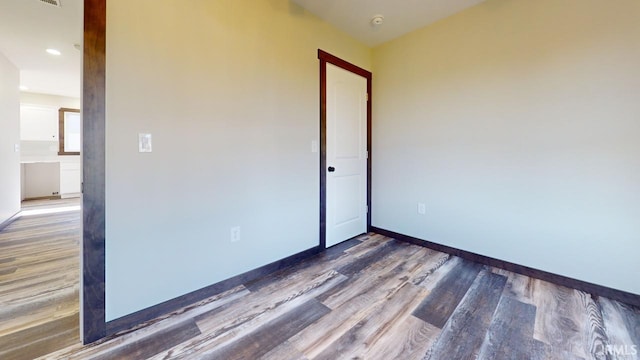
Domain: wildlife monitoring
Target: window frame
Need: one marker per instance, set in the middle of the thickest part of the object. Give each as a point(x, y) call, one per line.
point(61, 128)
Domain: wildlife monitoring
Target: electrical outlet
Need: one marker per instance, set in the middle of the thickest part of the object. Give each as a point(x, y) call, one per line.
point(422, 208)
point(235, 234)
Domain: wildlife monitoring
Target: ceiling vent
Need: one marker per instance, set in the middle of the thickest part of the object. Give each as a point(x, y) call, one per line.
point(55, 3)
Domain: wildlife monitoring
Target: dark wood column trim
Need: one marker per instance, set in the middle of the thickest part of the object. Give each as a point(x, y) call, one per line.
point(93, 178)
point(325, 58)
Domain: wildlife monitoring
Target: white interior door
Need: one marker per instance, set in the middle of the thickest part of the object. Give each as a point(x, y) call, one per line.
point(346, 213)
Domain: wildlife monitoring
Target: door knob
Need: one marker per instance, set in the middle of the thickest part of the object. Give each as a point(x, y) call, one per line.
point(331, 169)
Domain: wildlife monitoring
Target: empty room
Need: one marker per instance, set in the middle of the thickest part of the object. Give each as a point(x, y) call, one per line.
point(325, 179)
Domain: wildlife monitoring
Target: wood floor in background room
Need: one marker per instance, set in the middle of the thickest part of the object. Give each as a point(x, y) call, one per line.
point(39, 279)
point(368, 298)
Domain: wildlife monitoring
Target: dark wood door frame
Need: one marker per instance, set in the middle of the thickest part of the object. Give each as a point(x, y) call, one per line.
point(325, 58)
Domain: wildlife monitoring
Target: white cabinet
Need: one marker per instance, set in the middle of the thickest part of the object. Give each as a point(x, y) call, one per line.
point(45, 179)
point(41, 179)
point(38, 123)
point(69, 178)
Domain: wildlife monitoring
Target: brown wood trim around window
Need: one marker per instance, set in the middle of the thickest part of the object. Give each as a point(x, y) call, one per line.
point(61, 126)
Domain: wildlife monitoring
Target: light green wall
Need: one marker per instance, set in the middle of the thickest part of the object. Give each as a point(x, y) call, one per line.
point(517, 123)
point(229, 89)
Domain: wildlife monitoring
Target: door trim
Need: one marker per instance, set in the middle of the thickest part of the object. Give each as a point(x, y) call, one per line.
point(325, 58)
point(93, 320)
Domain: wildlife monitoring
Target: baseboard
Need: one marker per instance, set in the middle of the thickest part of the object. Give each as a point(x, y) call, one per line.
point(593, 289)
point(6, 223)
point(52, 197)
point(132, 320)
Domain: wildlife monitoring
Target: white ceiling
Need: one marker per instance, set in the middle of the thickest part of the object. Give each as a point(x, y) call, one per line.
point(28, 28)
point(400, 16)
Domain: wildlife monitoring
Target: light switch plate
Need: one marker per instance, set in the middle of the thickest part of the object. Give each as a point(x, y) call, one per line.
point(16, 148)
point(144, 143)
point(235, 234)
point(422, 208)
point(314, 146)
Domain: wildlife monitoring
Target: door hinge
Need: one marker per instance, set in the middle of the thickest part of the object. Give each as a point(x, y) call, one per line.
point(367, 96)
point(367, 154)
point(367, 208)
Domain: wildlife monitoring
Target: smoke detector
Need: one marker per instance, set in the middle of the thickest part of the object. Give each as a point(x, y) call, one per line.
point(55, 3)
point(377, 20)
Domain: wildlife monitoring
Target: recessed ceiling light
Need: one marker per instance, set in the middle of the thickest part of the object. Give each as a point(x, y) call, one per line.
point(23, 88)
point(54, 52)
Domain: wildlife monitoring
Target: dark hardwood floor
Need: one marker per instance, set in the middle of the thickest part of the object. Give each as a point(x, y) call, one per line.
point(369, 298)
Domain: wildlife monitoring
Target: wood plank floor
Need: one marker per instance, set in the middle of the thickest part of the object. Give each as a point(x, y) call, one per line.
point(39, 279)
point(368, 298)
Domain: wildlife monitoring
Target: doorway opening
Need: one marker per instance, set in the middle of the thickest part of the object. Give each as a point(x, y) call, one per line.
point(40, 244)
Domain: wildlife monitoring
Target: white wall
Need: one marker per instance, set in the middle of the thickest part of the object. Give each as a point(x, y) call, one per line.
point(49, 100)
point(229, 90)
point(518, 124)
point(9, 137)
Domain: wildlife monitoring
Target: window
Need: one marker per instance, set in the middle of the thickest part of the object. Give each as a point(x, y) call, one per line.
point(69, 131)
